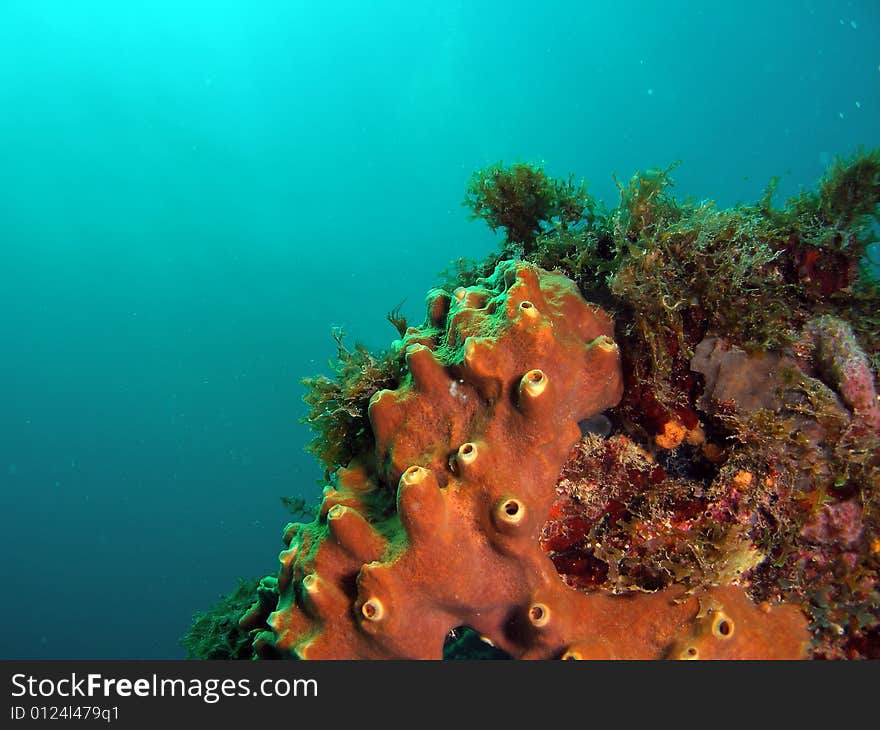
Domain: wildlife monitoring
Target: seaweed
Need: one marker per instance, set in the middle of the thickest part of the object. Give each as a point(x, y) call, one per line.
point(464, 271)
point(397, 320)
point(850, 190)
point(338, 405)
point(298, 507)
point(215, 633)
point(645, 204)
point(524, 201)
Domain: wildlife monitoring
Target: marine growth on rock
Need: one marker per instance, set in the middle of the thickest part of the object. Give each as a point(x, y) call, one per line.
point(651, 432)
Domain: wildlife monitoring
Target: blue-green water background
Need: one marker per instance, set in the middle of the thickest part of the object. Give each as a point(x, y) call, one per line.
point(193, 193)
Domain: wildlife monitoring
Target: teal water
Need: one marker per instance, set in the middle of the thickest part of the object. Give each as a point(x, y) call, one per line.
point(193, 193)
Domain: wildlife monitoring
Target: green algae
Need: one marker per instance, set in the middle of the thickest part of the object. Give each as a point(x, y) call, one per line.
point(338, 405)
point(525, 202)
point(215, 633)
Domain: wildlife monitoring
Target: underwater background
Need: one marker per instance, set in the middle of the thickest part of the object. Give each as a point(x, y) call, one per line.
point(194, 193)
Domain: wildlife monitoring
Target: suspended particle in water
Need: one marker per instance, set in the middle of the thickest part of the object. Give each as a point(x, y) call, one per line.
point(840, 114)
point(853, 24)
point(858, 105)
point(650, 92)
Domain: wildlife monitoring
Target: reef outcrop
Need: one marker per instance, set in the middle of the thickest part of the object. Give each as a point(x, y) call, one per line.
point(687, 468)
point(439, 526)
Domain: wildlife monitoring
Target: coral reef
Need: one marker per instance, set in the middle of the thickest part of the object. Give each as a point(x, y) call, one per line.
point(746, 446)
point(689, 468)
point(496, 382)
